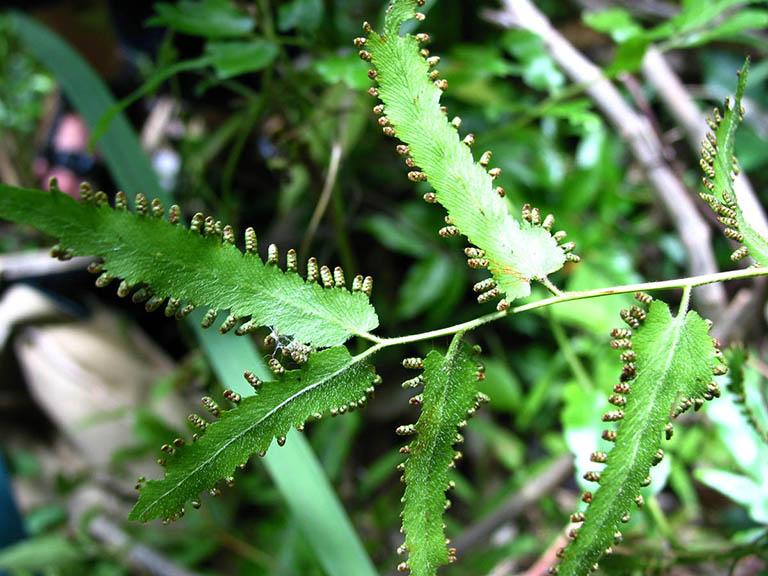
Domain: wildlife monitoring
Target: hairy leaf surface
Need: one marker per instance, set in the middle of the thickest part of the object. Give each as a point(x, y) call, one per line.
point(331, 379)
point(674, 359)
point(449, 394)
point(175, 262)
point(720, 169)
point(516, 252)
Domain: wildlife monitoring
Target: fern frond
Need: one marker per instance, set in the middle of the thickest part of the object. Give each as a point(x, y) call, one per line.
point(516, 252)
point(449, 397)
point(737, 360)
point(720, 170)
point(200, 266)
point(666, 359)
point(331, 380)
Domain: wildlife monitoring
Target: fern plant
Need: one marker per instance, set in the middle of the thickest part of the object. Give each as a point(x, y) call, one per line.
point(669, 361)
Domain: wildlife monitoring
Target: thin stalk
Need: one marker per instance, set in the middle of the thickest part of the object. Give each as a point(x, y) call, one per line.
point(551, 287)
point(571, 358)
point(660, 519)
point(685, 301)
point(686, 283)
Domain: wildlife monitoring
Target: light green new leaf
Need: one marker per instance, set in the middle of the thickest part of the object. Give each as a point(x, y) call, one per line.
point(516, 252)
point(175, 262)
point(331, 380)
point(670, 359)
point(449, 395)
point(720, 169)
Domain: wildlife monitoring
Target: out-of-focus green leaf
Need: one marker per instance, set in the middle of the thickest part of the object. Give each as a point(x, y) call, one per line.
point(740, 489)
point(629, 55)
point(305, 15)
point(747, 449)
point(396, 235)
point(40, 553)
point(44, 518)
point(614, 21)
point(423, 285)
point(501, 385)
point(208, 18)
point(539, 70)
point(347, 69)
point(231, 59)
point(732, 27)
point(506, 447)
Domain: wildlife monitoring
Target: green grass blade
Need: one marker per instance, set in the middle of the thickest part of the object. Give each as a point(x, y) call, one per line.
point(119, 146)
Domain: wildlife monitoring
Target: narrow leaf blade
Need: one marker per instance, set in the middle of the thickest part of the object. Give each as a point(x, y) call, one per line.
point(449, 395)
point(331, 378)
point(720, 168)
point(516, 252)
point(175, 262)
point(674, 358)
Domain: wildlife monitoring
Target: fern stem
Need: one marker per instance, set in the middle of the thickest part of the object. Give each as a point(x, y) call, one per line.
point(687, 284)
point(551, 287)
point(571, 358)
point(685, 301)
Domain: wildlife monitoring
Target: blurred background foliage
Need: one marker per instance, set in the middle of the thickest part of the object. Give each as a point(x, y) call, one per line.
point(258, 111)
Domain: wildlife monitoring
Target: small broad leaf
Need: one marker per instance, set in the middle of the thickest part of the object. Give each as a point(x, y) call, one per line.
point(614, 21)
point(448, 399)
point(231, 59)
point(720, 169)
point(331, 380)
point(667, 360)
point(40, 553)
point(345, 69)
point(161, 260)
point(515, 252)
point(305, 15)
point(208, 18)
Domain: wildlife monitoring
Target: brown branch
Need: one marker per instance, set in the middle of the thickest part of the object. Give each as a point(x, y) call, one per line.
point(531, 492)
point(639, 135)
point(109, 534)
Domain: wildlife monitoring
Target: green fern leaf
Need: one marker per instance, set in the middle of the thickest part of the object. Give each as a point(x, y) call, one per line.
point(515, 252)
point(331, 380)
point(667, 359)
point(448, 399)
point(720, 169)
point(161, 260)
